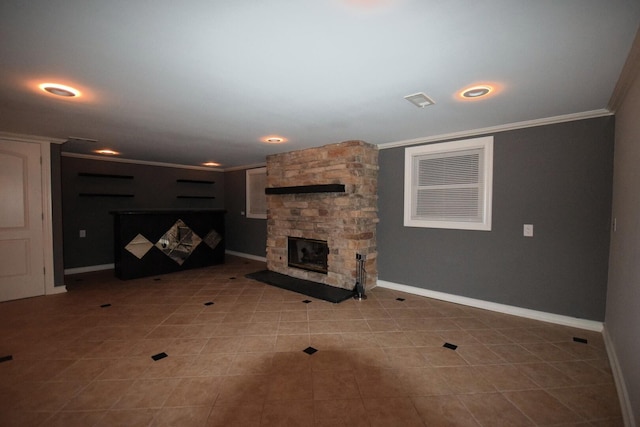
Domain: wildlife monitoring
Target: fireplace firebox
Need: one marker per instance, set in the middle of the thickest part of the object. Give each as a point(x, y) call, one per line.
point(308, 254)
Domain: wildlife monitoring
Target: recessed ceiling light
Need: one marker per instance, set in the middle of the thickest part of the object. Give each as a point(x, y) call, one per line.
point(419, 99)
point(60, 90)
point(479, 91)
point(476, 91)
point(274, 139)
point(211, 164)
point(107, 152)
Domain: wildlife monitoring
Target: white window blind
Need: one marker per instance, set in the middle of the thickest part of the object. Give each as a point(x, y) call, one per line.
point(448, 185)
point(256, 198)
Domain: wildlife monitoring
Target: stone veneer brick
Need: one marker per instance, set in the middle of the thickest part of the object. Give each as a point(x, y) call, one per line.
point(347, 221)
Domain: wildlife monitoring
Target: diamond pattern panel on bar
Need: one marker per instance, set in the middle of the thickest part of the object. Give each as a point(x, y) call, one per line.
point(178, 242)
point(139, 246)
point(212, 239)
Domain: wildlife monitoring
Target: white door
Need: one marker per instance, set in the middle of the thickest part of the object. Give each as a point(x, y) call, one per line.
point(21, 224)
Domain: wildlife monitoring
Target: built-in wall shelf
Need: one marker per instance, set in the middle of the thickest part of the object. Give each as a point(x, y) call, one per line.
point(104, 175)
point(104, 195)
point(195, 197)
point(302, 189)
point(195, 181)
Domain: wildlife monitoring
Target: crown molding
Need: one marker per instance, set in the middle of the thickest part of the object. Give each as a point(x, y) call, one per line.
point(140, 162)
point(500, 128)
point(30, 138)
point(239, 168)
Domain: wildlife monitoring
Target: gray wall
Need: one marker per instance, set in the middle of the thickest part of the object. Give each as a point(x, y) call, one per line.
point(245, 235)
point(56, 215)
point(152, 186)
point(622, 322)
point(556, 177)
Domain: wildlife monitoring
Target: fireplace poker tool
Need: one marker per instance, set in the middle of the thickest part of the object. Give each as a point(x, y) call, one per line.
point(360, 278)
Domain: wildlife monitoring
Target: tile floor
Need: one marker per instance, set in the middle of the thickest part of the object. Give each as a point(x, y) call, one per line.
point(240, 361)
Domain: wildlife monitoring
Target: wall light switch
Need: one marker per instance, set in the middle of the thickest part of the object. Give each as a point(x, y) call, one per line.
point(527, 230)
point(83, 233)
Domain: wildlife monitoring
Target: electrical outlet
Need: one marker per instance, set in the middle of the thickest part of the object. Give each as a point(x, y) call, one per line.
point(527, 230)
point(83, 233)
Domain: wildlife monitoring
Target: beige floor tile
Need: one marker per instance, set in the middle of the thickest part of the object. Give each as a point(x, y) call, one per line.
point(257, 343)
point(333, 385)
point(128, 417)
point(147, 393)
point(186, 346)
point(583, 373)
point(293, 328)
point(287, 413)
point(83, 370)
point(326, 341)
point(324, 326)
point(241, 389)
point(292, 342)
point(478, 355)
point(541, 407)
point(340, 412)
point(393, 339)
point(514, 353)
point(489, 336)
point(198, 391)
point(75, 418)
point(229, 344)
point(191, 416)
point(443, 411)
point(545, 375)
point(422, 381)
point(383, 383)
point(440, 356)
point(126, 368)
point(353, 340)
point(506, 377)
point(51, 396)
point(240, 361)
point(251, 363)
point(239, 413)
point(591, 402)
point(292, 361)
point(290, 386)
point(464, 379)
point(393, 411)
point(405, 357)
point(493, 409)
point(99, 395)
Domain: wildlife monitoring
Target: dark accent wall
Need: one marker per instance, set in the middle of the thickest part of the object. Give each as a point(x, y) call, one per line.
point(556, 177)
point(244, 235)
point(152, 187)
point(56, 216)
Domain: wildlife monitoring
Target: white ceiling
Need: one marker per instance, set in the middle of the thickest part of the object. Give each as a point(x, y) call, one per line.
point(204, 80)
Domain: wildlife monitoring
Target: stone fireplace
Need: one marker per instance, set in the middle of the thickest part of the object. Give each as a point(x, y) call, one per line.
point(323, 195)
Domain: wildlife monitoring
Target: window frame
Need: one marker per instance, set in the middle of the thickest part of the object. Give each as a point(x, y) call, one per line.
point(250, 196)
point(484, 143)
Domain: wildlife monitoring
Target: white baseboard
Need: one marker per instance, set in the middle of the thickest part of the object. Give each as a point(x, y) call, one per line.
point(248, 256)
point(88, 269)
point(56, 290)
point(621, 386)
point(575, 322)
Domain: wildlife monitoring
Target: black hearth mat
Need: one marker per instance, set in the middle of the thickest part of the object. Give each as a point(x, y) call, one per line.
point(305, 287)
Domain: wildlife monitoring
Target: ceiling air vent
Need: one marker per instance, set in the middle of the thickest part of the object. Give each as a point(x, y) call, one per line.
point(419, 99)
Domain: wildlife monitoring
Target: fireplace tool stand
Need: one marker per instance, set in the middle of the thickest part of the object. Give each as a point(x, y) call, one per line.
point(361, 278)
